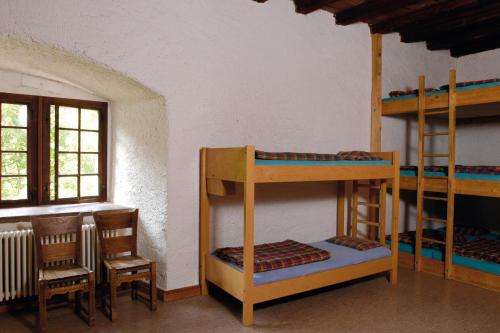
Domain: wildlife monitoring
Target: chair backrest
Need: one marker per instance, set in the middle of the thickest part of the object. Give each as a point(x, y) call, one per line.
point(57, 239)
point(109, 224)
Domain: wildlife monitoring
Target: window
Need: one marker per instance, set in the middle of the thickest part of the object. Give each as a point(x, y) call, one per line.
point(53, 150)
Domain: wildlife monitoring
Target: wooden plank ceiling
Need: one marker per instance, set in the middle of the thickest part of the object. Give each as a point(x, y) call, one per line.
point(461, 26)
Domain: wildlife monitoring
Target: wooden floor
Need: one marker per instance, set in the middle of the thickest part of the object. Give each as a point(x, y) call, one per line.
point(420, 303)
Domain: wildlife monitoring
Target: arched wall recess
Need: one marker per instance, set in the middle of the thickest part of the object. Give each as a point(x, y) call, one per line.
point(137, 150)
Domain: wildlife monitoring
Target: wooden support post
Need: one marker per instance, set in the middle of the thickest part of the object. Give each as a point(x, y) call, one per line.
point(420, 175)
point(452, 103)
point(340, 208)
point(376, 101)
point(204, 222)
point(382, 211)
point(395, 220)
point(248, 236)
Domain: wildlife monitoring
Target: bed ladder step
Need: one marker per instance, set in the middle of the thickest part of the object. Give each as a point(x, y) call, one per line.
point(434, 113)
point(432, 240)
point(436, 133)
point(427, 197)
point(436, 155)
point(368, 222)
point(435, 219)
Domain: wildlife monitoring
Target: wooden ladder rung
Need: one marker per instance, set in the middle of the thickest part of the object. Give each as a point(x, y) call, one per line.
point(436, 155)
point(367, 204)
point(368, 222)
point(435, 219)
point(433, 113)
point(436, 133)
point(431, 240)
point(427, 197)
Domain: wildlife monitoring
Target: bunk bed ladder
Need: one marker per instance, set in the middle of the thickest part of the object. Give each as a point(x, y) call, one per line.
point(373, 221)
point(423, 194)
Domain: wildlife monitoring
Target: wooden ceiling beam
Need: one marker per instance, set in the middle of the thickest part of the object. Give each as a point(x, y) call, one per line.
point(421, 31)
point(370, 10)
point(464, 35)
point(480, 45)
point(309, 6)
point(430, 8)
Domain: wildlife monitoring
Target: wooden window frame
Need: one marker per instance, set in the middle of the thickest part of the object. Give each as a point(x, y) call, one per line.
point(39, 148)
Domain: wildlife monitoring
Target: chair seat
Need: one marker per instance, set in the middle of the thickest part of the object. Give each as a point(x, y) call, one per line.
point(126, 262)
point(62, 272)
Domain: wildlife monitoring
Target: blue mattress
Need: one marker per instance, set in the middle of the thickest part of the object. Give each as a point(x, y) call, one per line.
point(458, 175)
point(480, 265)
point(295, 162)
point(443, 91)
point(340, 256)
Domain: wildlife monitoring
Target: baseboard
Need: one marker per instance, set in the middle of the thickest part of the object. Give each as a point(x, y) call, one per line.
point(178, 294)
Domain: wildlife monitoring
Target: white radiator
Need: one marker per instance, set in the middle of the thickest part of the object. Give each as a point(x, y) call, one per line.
point(18, 263)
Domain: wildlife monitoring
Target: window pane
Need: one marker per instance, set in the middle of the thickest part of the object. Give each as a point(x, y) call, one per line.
point(68, 164)
point(14, 188)
point(68, 187)
point(14, 163)
point(90, 141)
point(14, 115)
point(68, 140)
point(89, 163)
point(90, 119)
point(89, 186)
point(68, 117)
point(14, 139)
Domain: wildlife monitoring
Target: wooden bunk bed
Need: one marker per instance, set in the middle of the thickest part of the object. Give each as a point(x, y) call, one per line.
point(431, 187)
point(221, 168)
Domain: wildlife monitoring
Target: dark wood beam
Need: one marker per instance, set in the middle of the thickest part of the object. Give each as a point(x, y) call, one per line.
point(430, 8)
point(464, 35)
point(480, 45)
point(309, 6)
point(452, 20)
point(370, 10)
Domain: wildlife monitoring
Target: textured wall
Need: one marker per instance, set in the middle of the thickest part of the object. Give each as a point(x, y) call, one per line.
point(232, 73)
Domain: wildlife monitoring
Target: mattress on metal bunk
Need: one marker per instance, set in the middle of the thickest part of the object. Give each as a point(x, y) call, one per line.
point(444, 90)
point(468, 172)
point(466, 253)
point(341, 158)
point(341, 256)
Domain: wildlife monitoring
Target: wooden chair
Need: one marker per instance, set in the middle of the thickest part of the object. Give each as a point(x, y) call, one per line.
point(59, 267)
point(125, 268)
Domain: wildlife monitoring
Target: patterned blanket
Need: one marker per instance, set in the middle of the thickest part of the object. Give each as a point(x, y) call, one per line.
point(341, 156)
point(470, 169)
point(482, 249)
point(273, 256)
point(399, 93)
point(355, 243)
point(470, 83)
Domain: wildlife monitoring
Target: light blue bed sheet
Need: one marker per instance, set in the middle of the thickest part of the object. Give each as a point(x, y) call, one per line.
point(340, 256)
point(294, 162)
point(458, 175)
point(444, 91)
point(480, 265)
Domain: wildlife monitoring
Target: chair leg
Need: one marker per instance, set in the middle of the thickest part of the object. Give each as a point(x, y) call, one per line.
point(152, 287)
point(91, 303)
point(42, 308)
point(112, 294)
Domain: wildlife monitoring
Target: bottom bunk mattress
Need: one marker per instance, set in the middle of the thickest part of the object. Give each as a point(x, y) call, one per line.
point(469, 172)
point(480, 253)
point(340, 256)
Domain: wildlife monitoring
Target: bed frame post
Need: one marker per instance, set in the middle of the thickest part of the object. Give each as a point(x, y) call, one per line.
point(248, 236)
point(395, 219)
point(420, 175)
point(376, 108)
point(204, 222)
point(340, 208)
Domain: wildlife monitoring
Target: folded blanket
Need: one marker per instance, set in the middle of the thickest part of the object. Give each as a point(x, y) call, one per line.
point(291, 156)
point(354, 243)
point(470, 83)
point(469, 169)
point(273, 256)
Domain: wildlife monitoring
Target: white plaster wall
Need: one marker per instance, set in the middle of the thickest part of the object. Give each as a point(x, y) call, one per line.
point(232, 72)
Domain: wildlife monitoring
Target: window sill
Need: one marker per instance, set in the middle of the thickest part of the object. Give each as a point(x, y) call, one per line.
point(23, 214)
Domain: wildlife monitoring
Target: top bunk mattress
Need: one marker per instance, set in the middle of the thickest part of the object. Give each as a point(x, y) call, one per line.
point(469, 172)
point(443, 90)
point(341, 256)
